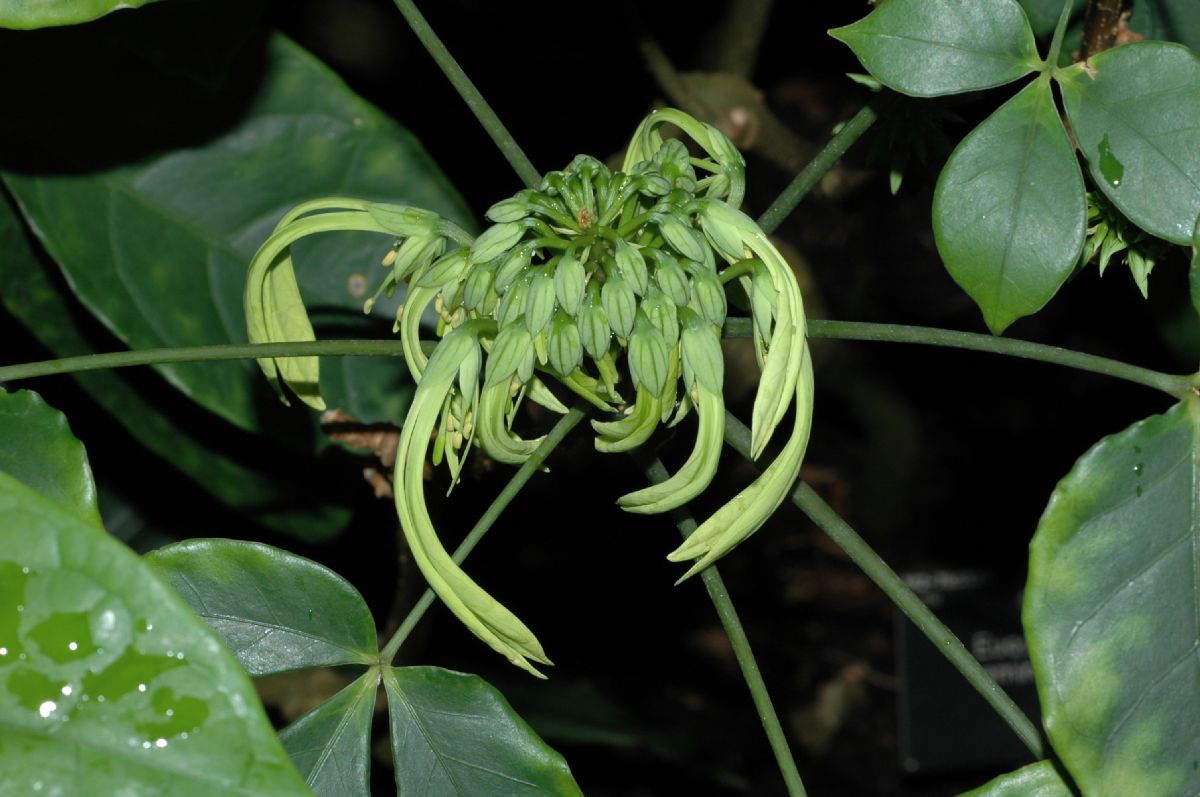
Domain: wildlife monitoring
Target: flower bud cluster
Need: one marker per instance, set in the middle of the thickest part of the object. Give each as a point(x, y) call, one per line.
point(594, 275)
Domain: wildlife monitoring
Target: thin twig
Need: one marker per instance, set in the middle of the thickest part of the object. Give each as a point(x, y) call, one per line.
point(466, 89)
point(818, 167)
point(846, 538)
point(741, 646)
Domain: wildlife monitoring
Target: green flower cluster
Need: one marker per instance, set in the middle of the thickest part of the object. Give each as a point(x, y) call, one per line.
point(592, 274)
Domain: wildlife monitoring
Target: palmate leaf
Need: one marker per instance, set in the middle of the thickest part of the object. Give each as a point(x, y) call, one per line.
point(1135, 111)
point(275, 610)
point(158, 250)
point(108, 680)
point(1111, 610)
point(1036, 780)
point(927, 48)
point(40, 451)
point(1009, 211)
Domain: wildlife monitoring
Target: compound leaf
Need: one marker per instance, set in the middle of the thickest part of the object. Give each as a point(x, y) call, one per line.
point(331, 745)
point(40, 451)
point(1135, 111)
point(1036, 780)
point(1009, 211)
point(275, 610)
point(108, 682)
point(453, 735)
point(927, 48)
point(1111, 610)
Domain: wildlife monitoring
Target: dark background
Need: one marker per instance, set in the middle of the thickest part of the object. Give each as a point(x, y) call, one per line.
point(942, 459)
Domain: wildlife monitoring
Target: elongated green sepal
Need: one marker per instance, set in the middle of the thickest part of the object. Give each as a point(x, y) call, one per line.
point(671, 277)
point(496, 240)
point(696, 473)
point(720, 227)
point(751, 508)
point(620, 305)
point(444, 270)
point(648, 356)
point(569, 279)
point(512, 353)
point(632, 430)
point(632, 266)
point(700, 348)
point(708, 296)
point(491, 428)
point(479, 612)
point(682, 238)
point(564, 345)
point(539, 302)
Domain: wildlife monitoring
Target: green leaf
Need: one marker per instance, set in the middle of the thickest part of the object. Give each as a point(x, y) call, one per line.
point(927, 48)
point(1194, 271)
point(1009, 211)
point(108, 682)
point(40, 451)
point(198, 450)
point(331, 745)
point(1036, 780)
point(26, 15)
point(1173, 20)
point(453, 735)
point(158, 250)
point(1111, 610)
point(1135, 111)
point(275, 610)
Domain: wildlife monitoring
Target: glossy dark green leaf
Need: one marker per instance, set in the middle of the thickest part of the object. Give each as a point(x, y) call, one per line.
point(1172, 20)
point(108, 683)
point(31, 296)
point(453, 735)
point(926, 48)
point(275, 610)
point(331, 745)
point(25, 15)
point(39, 450)
point(1135, 111)
point(1009, 210)
point(158, 249)
point(1111, 610)
point(1036, 780)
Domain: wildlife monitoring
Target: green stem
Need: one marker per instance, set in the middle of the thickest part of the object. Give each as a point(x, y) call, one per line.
point(466, 89)
point(1175, 385)
point(1172, 384)
point(818, 167)
point(741, 648)
point(1060, 30)
point(518, 480)
point(188, 354)
point(846, 538)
